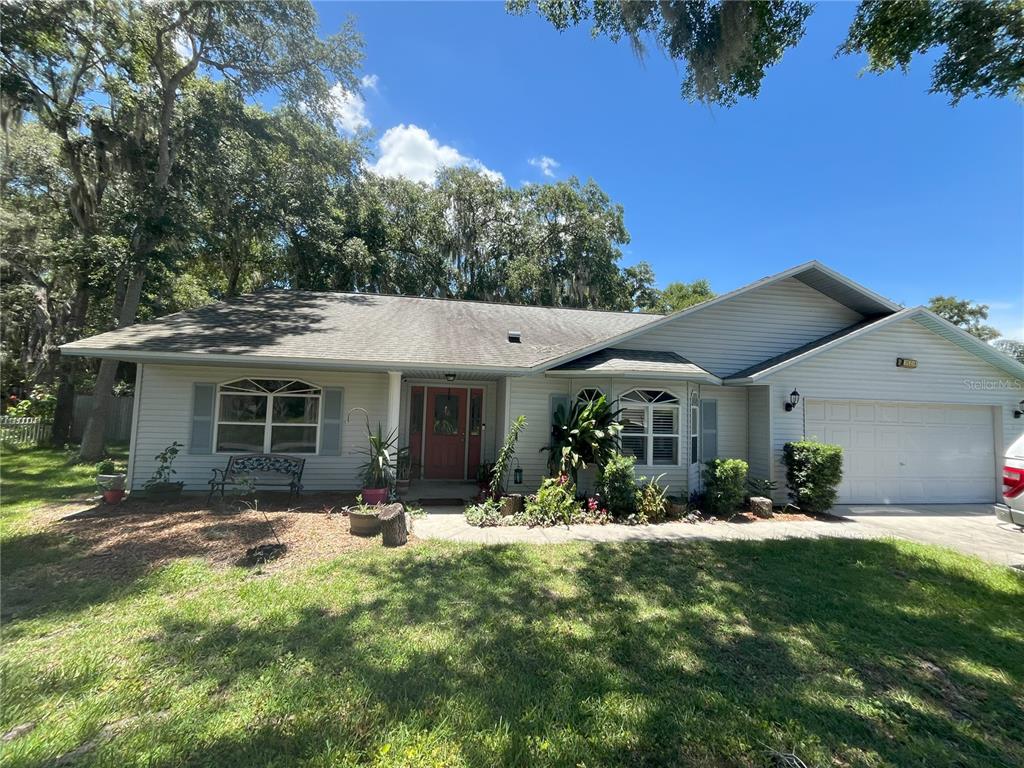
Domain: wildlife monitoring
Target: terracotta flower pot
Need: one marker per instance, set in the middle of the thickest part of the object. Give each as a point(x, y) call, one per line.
point(375, 495)
point(113, 495)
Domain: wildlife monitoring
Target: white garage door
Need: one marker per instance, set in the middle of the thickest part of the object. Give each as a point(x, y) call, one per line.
point(907, 453)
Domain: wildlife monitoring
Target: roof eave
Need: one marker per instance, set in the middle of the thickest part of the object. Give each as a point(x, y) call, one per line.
point(277, 361)
point(708, 378)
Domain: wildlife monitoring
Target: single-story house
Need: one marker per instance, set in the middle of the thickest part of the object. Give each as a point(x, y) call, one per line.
point(922, 409)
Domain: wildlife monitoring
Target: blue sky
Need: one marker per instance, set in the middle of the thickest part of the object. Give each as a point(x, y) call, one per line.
point(871, 175)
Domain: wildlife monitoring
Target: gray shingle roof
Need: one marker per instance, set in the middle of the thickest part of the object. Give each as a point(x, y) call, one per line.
point(369, 328)
point(633, 361)
point(809, 347)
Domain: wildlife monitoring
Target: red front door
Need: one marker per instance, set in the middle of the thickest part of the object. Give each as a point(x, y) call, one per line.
point(445, 434)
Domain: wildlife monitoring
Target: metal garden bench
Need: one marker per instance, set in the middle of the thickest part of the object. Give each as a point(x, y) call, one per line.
point(259, 470)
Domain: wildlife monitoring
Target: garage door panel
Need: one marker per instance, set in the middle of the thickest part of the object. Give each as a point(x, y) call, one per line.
point(908, 453)
point(863, 437)
point(910, 414)
point(887, 438)
point(837, 411)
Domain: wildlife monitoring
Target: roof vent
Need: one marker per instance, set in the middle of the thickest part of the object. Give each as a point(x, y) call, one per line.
point(515, 337)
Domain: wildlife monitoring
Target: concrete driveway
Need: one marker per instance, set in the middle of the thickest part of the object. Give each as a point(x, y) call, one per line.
point(970, 528)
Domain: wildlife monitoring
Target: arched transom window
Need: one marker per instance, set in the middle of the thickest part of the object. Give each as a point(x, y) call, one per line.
point(650, 426)
point(589, 394)
point(267, 416)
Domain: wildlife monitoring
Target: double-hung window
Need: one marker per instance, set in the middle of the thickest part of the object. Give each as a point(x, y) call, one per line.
point(267, 416)
point(650, 426)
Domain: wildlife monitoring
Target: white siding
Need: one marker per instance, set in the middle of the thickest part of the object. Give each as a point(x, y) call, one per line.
point(865, 369)
point(750, 328)
point(732, 425)
point(530, 396)
point(165, 410)
point(759, 449)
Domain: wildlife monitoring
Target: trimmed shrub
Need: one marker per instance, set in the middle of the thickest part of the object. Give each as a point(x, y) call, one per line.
point(617, 485)
point(813, 473)
point(725, 485)
point(554, 504)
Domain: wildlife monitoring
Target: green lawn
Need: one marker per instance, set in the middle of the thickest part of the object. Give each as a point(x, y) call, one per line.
point(28, 477)
point(848, 653)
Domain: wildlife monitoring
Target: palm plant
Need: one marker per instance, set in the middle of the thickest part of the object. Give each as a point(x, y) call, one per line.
point(587, 434)
point(381, 452)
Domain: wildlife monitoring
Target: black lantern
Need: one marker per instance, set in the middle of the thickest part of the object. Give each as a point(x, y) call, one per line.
point(449, 377)
point(794, 400)
point(1020, 410)
point(517, 476)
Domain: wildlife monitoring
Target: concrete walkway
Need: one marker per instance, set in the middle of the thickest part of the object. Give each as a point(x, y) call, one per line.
point(972, 529)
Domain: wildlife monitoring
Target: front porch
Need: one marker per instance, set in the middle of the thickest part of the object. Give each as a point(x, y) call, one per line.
point(440, 493)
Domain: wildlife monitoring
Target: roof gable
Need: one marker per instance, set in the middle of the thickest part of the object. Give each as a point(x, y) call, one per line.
point(921, 315)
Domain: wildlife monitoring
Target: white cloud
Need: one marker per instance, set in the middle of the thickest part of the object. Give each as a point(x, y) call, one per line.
point(545, 164)
point(349, 110)
point(369, 82)
point(410, 151)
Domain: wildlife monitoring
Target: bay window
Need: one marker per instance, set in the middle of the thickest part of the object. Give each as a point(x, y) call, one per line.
point(267, 416)
point(650, 426)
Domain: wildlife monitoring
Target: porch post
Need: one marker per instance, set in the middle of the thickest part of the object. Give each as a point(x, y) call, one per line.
point(394, 406)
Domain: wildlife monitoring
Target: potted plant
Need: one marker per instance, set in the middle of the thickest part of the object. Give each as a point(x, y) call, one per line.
point(363, 518)
point(160, 486)
point(110, 480)
point(379, 468)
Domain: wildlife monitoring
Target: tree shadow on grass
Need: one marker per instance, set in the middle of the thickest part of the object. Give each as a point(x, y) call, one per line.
point(103, 553)
point(847, 652)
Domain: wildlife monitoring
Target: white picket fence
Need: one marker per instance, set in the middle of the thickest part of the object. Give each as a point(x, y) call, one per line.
point(24, 431)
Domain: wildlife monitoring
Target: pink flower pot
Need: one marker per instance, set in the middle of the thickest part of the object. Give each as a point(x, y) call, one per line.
point(375, 495)
point(113, 496)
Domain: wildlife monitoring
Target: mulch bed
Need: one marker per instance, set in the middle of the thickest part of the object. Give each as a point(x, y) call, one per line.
point(141, 534)
point(783, 517)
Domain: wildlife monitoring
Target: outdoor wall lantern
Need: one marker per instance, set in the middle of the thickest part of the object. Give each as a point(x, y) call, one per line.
point(517, 476)
point(1020, 410)
point(449, 377)
point(793, 402)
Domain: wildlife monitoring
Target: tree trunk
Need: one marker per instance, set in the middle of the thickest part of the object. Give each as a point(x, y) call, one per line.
point(66, 367)
point(93, 442)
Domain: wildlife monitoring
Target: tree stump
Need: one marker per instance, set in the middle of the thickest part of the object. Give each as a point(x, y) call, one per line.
point(392, 525)
point(512, 504)
point(761, 506)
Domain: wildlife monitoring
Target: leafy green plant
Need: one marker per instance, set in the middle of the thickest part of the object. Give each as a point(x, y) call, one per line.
point(585, 434)
point(759, 487)
point(652, 500)
point(110, 467)
point(381, 452)
point(813, 473)
point(617, 485)
point(362, 508)
point(164, 470)
point(486, 513)
point(725, 483)
point(504, 461)
point(554, 503)
point(40, 403)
